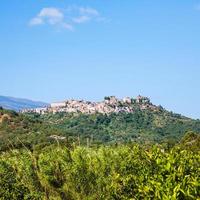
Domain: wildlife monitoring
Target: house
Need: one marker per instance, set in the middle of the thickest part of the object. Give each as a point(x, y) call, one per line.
point(58, 104)
point(127, 100)
point(141, 99)
point(110, 105)
point(41, 110)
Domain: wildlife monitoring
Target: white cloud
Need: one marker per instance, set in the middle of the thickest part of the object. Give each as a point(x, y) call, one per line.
point(81, 19)
point(66, 19)
point(51, 16)
point(51, 12)
point(36, 21)
point(67, 26)
point(86, 14)
point(88, 11)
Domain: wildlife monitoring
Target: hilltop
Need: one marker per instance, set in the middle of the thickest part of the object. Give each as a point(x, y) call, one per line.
point(109, 105)
point(108, 122)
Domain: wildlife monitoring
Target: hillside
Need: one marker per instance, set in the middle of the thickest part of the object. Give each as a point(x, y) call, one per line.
point(142, 127)
point(78, 156)
point(18, 130)
point(17, 104)
point(116, 120)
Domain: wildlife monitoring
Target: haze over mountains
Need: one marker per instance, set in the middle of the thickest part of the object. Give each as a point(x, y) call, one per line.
point(18, 104)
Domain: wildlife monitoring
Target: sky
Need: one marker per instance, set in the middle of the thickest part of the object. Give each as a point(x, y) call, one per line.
point(52, 50)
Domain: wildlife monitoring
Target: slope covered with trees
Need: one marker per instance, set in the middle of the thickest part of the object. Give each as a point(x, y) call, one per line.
point(143, 127)
point(99, 156)
point(140, 126)
point(18, 130)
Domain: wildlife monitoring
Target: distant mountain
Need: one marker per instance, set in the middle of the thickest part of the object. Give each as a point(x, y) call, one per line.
point(18, 104)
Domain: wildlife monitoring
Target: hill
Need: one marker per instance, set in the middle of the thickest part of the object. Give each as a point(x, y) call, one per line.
point(116, 120)
point(44, 156)
point(18, 130)
point(18, 104)
point(144, 127)
point(141, 126)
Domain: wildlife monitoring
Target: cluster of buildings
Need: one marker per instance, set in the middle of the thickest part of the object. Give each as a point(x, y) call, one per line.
point(110, 104)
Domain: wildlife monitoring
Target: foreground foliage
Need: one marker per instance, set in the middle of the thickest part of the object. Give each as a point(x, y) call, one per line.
point(118, 172)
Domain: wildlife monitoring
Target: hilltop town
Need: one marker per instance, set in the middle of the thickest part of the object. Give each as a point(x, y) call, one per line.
point(110, 104)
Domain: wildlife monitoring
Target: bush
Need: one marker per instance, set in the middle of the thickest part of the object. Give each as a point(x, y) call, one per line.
point(120, 172)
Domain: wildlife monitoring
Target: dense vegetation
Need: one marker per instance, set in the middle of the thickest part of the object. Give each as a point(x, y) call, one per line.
point(140, 127)
point(120, 160)
point(17, 130)
point(120, 172)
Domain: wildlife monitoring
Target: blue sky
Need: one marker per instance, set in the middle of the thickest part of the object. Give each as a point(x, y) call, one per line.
point(58, 49)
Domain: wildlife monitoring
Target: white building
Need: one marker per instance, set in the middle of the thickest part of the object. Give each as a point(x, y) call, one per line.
point(41, 110)
point(127, 100)
point(58, 105)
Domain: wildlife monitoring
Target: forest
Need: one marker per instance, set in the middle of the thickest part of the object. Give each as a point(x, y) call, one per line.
point(128, 156)
point(143, 127)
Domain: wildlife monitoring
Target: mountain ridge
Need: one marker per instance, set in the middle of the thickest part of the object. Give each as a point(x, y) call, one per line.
point(17, 104)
